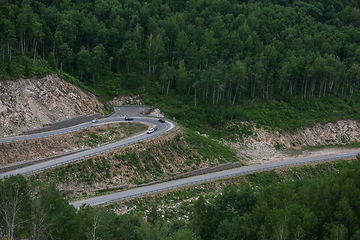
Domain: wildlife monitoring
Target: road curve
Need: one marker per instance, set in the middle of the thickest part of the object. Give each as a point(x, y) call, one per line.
point(162, 128)
point(106, 199)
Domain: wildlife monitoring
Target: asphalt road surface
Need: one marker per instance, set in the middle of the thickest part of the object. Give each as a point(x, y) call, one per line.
point(162, 128)
point(136, 192)
point(116, 117)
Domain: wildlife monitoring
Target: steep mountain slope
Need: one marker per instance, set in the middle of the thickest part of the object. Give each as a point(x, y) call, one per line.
point(31, 103)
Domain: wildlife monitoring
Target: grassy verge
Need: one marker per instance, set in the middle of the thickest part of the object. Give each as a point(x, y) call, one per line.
point(282, 115)
point(178, 203)
point(178, 152)
point(45, 147)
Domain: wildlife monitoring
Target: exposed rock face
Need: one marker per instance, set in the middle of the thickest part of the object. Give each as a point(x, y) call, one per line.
point(341, 132)
point(126, 100)
point(261, 146)
point(31, 103)
point(155, 113)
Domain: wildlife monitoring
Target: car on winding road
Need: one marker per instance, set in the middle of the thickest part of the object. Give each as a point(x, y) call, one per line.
point(128, 119)
point(151, 130)
point(162, 120)
point(95, 120)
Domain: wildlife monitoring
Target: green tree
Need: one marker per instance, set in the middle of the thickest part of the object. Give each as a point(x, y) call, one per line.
point(15, 205)
point(83, 61)
point(199, 219)
point(99, 57)
point(182, 43)
point(182, 78)
point(51, 61)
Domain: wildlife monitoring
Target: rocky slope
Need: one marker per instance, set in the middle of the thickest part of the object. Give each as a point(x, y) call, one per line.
point(265, 144)
point(341, 132)
point(31, 103)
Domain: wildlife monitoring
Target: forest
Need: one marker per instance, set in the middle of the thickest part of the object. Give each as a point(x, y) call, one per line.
point(311, 202)
point(213, 60)
point(209, 51)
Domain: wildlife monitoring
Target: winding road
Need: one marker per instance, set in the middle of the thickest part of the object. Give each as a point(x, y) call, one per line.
point(162, 128)
point(106, 199)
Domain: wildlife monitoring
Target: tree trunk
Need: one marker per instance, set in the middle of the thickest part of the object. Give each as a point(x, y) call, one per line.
point(321, 86)
point(195, 95)
point(331, 86)
point(43, 53)
point(230, 90)
point(312, 88)
point(167, 91)
point(253, 90)
point(206, 96)
point(35, 43)
point(213, 96)
point(237, 88)
point(3, 56)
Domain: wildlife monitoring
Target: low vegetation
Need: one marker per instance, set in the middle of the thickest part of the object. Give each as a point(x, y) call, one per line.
point(51, 146)
point(178, 152)
point(289, 115)
point(304, 202)
point(174, 202)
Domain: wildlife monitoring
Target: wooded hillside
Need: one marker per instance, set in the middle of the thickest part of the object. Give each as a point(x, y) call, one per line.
point(212, 50)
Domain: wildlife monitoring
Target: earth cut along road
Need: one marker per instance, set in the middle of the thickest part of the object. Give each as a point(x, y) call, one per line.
point(162, 128)
point(106, 199)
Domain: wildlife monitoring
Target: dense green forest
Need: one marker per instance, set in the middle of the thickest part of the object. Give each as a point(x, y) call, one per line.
point(207, 53)
point(311, 202)
point(212, 50)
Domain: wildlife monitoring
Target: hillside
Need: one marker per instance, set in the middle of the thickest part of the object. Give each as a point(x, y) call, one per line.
point(208, 53)
point(156, 159)
point(29, 103)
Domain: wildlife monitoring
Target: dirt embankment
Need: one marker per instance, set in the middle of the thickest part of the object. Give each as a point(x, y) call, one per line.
point(88, 138)
point(31, 103)
point(151, 160)
point(267, 145)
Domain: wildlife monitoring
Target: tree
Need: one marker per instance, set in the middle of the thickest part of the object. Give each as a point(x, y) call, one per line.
point(354, 78)
point(99, 57)
point(14, 204)
point(27, 69)
point(199, 219)
point(168, 75)
point(91, 222)
point(155, 50)
point(182, 78)
point(51, 60)
point(182, 43)
point(239, 77)
point(128, 225)
point(53, 215)
point(83, 61)
point(337, 232)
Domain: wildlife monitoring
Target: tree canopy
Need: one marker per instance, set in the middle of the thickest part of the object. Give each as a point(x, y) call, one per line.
point(307, 49)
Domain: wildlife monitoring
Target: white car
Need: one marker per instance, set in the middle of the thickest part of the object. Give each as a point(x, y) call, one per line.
point(151, 130)
point(95, 120)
